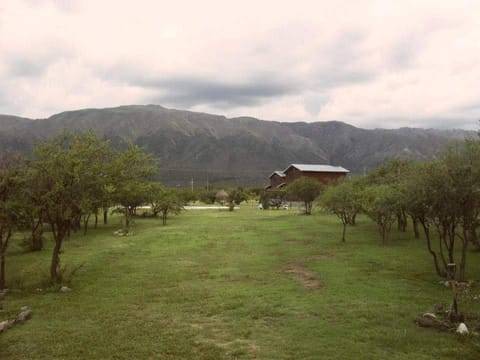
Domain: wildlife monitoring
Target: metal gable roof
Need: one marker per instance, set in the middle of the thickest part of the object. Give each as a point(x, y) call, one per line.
point(279, 173)
point(318, 168)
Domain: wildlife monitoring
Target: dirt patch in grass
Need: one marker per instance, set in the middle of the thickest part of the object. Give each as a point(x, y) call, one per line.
point(304, 276)
point(322, 256)
point(294, 241)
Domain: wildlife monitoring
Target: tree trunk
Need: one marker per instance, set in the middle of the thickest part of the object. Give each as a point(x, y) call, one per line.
point(37, 236)
point(402, 221)
point(96, 218)
point(3, 250)
point(86, 219)
point(2, 270)
point(308, 207)
point(127, 220)
point(474, 238)
point(344, 231)
point(353, 219)
point(426, 231)
point(416, 232)
point(55, 277)
point(105, 216)
point(463, 259)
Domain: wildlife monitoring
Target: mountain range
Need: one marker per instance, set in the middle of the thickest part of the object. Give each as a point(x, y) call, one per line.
point(214, 150)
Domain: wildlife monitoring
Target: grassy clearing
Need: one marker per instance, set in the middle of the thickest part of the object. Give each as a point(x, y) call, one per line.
point(221, 285)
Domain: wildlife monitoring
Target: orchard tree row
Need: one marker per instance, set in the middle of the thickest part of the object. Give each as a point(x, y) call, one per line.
point(71, 182)
point(440, 198)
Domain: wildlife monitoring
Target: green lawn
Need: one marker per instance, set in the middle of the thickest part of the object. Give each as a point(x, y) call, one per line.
point(222, 285)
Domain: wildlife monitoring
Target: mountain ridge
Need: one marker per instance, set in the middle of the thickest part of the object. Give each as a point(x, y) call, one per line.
point(237, 151)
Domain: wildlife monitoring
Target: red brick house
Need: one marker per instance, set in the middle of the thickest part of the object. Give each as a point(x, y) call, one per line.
point(323, 173)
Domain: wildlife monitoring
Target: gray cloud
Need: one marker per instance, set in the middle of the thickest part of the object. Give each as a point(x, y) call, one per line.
point(194, 91)
point(23, 67)
point(314, 104)
point(35, 63)
point(438, 122)
point(343, 62)
point(404, 53)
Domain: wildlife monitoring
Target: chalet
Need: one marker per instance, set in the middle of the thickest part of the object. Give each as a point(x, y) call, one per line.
point(277, 180)
point(323, 173)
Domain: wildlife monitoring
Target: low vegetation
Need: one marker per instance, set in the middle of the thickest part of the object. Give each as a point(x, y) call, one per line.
point(250, 284)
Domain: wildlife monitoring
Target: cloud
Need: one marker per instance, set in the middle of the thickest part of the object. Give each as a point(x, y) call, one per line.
point(370, 63)
point(192, 91)
point(188, 91)
point(315, 103)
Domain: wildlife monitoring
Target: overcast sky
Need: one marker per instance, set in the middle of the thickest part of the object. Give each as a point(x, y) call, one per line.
point(369, 63)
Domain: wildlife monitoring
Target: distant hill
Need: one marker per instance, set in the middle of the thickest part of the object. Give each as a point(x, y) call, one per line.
point(235, 151)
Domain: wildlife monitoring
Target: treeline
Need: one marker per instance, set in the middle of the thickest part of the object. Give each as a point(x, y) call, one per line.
point(69, 184)
point(440, 199)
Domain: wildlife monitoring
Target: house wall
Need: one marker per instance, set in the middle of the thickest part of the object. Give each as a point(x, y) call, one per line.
point(276, 180)
point(293, 174)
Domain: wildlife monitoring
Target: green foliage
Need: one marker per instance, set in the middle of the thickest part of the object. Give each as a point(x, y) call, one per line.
point(272, 199)
point(11, 170)
point(344, 200)
point(307, 190)
point(381, 203)
point(132, 170)
point(166, 201)
point(207, 196)
point(235, 197)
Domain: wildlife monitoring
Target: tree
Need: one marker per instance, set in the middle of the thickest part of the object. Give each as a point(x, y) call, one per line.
point(165, 201)
point(391, 173)
point(419, 194)
point(235, 197)
point(344, 201)
point(132, 170)
point(207, 196)
point(10, 190)
point(69, 177)
point(93, 171)
point(53, 171)
point(444, 195)
point(381, 204)
point(307, 190)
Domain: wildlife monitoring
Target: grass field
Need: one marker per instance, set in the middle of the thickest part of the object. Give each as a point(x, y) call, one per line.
point(222, 285)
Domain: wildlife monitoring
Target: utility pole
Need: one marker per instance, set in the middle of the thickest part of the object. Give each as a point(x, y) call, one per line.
point(192, 184)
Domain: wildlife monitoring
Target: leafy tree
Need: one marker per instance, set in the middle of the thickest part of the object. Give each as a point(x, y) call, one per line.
point(444, 195)
point(207, 196)
point(69, 178)
point(53, 171)
point(235, 197)
point(307, 190)
point(419, 193)
point(381, 204)
point(166, 201)
point(32, 217)
point(343, 200)
point(392, 173)
point(188, 196)
point(93, 171)
point(10, 189)
point(132, 169)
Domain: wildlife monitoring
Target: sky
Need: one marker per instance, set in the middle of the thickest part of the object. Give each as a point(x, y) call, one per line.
point(370, 63)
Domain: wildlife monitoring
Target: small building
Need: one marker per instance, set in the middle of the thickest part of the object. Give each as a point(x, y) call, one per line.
point(325, 174)
point(277, 180)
